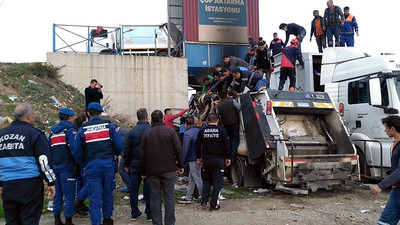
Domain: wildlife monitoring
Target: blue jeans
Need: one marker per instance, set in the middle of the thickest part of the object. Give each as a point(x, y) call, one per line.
point(164, 182)
point(333, 30)
point(391, 213)
point(134, 192)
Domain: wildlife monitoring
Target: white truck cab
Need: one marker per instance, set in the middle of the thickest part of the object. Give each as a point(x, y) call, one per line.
point(365, 86)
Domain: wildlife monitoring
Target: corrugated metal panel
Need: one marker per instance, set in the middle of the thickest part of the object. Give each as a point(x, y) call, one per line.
point(253, 18)
point(191, 20)
point(175, 13)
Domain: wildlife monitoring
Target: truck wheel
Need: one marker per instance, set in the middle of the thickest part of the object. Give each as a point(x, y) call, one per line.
point(236, 172)
point(162, 53)
point(365, 173)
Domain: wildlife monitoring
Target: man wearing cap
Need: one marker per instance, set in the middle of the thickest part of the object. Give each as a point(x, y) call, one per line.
point(61, 140)
point(25, 159)
point(97, 142)
point(288, 63)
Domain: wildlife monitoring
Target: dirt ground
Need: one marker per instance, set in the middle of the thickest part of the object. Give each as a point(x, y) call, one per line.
point(337, 206)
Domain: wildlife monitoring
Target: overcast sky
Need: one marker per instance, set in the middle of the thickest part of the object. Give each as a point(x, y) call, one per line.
point(26, 25)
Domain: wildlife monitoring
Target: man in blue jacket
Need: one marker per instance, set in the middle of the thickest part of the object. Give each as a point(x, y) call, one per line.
point(132, 164)
point(25, 159)
point(189, 155)
point(97, 143)
point(61, 141)
point(347, 31)
point(391, 213)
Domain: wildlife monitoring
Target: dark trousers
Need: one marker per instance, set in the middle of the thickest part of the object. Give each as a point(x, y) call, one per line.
point(321, 42)
point(164, 182)
point(135, 181)
point(233, 134)
point(23, 201)
point(213, 175)
point(333, 30)
point(100, 187)
point(287, 72)
point(124, 175)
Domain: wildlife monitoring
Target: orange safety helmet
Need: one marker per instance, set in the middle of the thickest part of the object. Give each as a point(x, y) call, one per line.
point(294, 41)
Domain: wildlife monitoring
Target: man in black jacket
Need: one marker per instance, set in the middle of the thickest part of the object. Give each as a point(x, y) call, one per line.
point(212, 149)
point(93, 93)
point(228, 110)
point(132, 164)
point(294, 29)
point(318, 29)
point(160, 155)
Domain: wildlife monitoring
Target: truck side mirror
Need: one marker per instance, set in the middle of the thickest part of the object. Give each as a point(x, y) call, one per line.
point(375, 94)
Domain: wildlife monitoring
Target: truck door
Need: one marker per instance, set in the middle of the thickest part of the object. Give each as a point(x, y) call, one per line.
point(366, 121)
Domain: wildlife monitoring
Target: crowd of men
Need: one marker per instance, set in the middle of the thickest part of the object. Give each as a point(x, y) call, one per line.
point(78, 161)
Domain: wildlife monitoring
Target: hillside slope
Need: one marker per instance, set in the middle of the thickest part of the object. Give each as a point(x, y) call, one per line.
point(38, 84)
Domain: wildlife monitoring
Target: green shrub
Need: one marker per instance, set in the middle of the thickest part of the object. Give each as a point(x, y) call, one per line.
point(44, 70)
point(35, 92)
point(19, 69)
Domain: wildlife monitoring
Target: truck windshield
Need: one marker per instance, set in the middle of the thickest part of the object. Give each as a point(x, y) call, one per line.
point(397, 83)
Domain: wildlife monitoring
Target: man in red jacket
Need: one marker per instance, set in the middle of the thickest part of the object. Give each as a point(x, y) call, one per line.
point(169, 117)
point(288, 62)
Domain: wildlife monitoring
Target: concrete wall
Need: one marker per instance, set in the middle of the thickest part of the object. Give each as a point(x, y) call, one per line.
point(130, 82)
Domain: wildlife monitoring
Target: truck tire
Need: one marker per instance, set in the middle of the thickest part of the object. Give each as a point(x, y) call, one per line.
point(236, 171)
point(365, 173)
point(162, 53)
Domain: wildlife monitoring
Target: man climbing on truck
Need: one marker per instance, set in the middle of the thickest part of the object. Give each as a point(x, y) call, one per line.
point(288, 63)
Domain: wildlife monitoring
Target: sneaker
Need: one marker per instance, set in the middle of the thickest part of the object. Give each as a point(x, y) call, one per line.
point(203, 203)
point(148, 218)
point(215, 208)
point(133, 218)
point(184, 201)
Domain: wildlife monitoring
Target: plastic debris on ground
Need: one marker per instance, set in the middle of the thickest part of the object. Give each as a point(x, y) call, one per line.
point(140, 197)
point(261, 190)
point(12, 97)
point(364, 210)
point(56, 103)
point(126, 198)
point(32, 82)
point(225, 191)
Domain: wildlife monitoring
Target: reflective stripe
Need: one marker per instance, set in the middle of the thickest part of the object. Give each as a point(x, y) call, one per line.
point(282, 104)
point(323, 105)
point(58, 139)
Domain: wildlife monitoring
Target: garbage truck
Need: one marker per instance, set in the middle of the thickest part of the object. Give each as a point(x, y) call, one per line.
point(364, 85)
point(293, 141)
